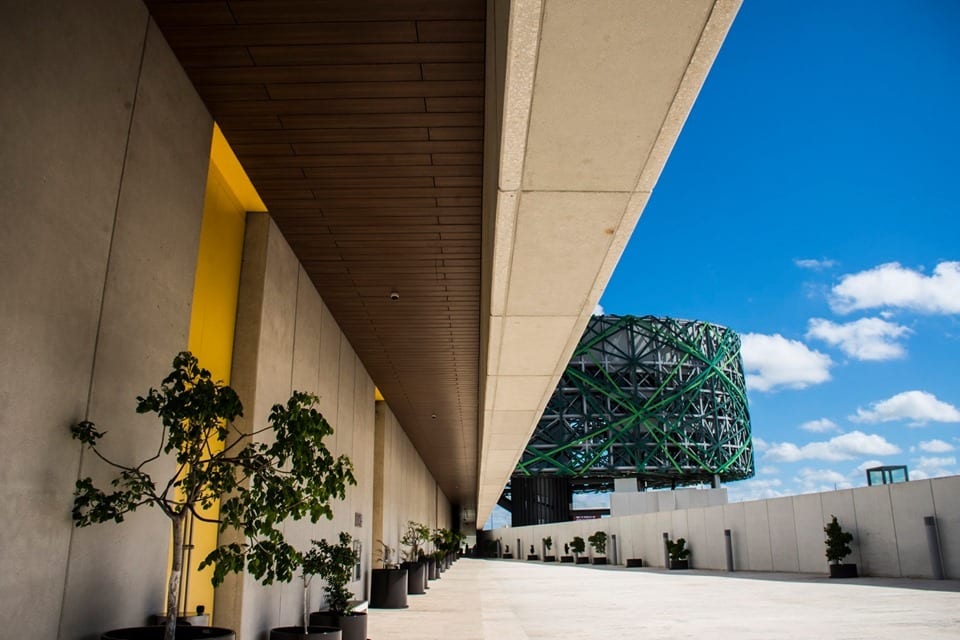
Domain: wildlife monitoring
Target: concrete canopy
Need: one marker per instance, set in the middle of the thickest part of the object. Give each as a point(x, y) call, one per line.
point(594, 96)
point(362, 124)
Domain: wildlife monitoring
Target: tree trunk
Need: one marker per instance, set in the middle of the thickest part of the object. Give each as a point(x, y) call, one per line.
point(306, 611)
point(173, 587)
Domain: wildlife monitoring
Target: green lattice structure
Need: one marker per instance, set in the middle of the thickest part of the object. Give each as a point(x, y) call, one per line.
point(656, 398)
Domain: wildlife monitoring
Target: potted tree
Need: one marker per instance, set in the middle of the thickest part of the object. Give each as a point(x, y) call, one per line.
point(388, 584)
point(263, 484)
point(566, 557)
point(599, 543)
point(838, 547)
point(548, 545)
point(679, 554)
point(578, 546)
point(533, 554)
point(334, 563)
point(413, 558)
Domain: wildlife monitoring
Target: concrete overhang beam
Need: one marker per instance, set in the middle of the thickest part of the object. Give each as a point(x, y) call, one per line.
point(585, 101)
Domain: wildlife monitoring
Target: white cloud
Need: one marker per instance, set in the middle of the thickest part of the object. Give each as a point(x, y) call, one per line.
point(816, 480)
point(869, 464)
point(819, 426)
point(754, 490)
point(919, 407)
point(768, 470)
point(932, 467)
point(892, 285)
point(759, 444)
point(935, 446)
point(843, 447)
point(774, 361)
point(814, 264)
point(863, 339)
point(598, 310)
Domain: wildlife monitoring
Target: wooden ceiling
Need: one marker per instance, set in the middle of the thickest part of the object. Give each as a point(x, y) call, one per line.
point(360, 123)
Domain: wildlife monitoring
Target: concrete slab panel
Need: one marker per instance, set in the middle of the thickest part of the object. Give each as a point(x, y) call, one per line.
point(946, 500)
point(783, 534)
point(521, 393)
point(529, 344)
point(697, 541)
point(561, 240)
point(306, 347)
point(735, 519)
point(877, 541)
point(666, 500)
point(715, 545)
point(808, 516)
point(329, 377)
point(607, 75)
point(60, 173)
point(911, 502)
point(345, 397)
point(144, 322)
point(759, 552)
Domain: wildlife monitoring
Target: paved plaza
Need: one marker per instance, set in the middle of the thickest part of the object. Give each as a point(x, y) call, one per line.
point(514, 600)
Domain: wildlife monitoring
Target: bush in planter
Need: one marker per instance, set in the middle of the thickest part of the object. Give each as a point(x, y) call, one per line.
point(413, 538)
point(678, 553)
point(838, 547)
point(264, 484)
point(385, 556)
point(414, 557)
point(334, 563)
point(599, 543)
point(548, 545)
point(578, 546)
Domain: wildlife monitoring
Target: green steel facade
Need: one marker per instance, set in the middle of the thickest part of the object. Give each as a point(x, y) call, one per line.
point(656, 398)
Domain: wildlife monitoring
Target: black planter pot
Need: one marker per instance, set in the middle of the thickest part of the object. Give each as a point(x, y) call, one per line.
point(566, 559)
point(549, 558)
point(432, 571)
point(353, 627)
point(843, 571)
point(416, 577)
point(583, 560)
point(388, 589)
point(679, 565)
point(156, 633)
point(633, 563)
point(533, 557)
point(508, 556)
point(600, 561)
point(296, 633)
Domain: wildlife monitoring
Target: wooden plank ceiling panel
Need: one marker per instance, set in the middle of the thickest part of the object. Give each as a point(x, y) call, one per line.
point(361, 125)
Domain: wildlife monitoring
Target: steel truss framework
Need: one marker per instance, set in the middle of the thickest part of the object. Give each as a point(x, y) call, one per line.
point(656, 398)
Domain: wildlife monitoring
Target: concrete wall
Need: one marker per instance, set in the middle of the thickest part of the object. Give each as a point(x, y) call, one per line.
point(786, 534)
point(102, 167)
point(287, 340)
point(103, 163)
point(405, 490)
point(626, 503)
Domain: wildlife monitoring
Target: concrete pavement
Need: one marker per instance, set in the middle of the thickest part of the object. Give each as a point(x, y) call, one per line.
point(516, 600)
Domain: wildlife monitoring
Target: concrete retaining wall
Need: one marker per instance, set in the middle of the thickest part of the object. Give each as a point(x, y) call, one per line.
point(786, 534)
point(102, 166)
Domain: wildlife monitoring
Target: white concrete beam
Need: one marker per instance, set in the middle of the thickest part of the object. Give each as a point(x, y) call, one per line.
point(592, 98)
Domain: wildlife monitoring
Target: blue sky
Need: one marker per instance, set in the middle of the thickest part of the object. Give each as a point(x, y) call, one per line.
point(810, 203)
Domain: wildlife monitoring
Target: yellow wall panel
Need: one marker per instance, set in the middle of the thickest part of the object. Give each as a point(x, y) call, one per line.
point(229, 196)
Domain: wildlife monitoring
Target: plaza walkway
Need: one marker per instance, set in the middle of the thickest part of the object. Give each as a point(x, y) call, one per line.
point(513, 600)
